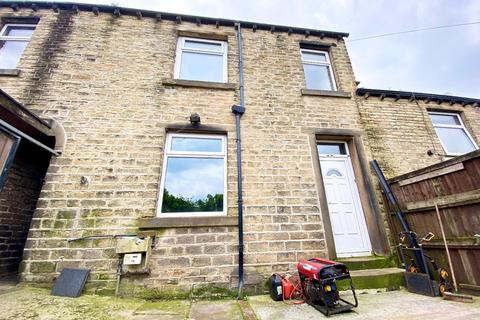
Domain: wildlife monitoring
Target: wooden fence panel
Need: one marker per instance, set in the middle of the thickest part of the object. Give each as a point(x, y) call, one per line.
point(455, 186)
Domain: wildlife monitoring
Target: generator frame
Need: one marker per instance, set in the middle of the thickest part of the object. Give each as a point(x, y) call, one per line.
point(323, 301)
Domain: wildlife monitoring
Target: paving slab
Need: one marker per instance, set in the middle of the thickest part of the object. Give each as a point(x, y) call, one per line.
point(165, 310)
point(216, 310)
point(395, 305)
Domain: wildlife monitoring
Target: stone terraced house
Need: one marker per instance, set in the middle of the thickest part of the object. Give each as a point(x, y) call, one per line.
point(119, 144)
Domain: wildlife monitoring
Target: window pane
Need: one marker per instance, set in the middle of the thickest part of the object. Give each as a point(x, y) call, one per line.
point(203, 67)
point(317, 77)
point(202, 45)
point(314, 56)
point(193, 185)
point(10, 53)
point(331, 148)
point(19, 31)
point(444, 119)
point(455, 140)
point(196, 144)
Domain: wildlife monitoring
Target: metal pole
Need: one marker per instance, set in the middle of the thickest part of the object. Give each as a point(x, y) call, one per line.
point(446, 247)
point(27, 137)
point(400, 215)
point(238, 111)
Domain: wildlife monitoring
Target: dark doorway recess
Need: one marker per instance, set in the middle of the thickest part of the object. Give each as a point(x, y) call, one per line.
point(18, 199)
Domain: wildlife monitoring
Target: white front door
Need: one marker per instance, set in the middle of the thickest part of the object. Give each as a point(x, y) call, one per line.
point(346, 214)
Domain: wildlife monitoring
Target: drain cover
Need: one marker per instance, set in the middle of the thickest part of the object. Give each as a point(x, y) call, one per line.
point(70, 283)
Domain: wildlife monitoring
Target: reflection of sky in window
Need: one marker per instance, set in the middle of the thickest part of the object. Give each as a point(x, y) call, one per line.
point(317, 77)
point(314, 56)
point(331, 148)
point(199, 66)
point(444, 119)
point(10, 53)
point(194, 178)
point(19, 31)
point(203, 45)
point(196, 144)
point(455, 140)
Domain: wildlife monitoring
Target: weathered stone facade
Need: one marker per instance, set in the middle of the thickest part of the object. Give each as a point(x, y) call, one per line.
point(108, 80)
point(401, 132)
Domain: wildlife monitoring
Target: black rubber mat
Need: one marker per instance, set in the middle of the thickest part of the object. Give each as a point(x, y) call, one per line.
point(70, 283)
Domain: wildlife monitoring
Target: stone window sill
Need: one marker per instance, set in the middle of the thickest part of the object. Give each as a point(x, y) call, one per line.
point(326, 93)
point(187, 222)
point(199, 84)
point(9, 72)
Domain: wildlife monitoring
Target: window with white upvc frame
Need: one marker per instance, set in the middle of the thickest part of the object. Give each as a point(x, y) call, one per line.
point(201, 60)
point(454, 137)
point(194, 176)
point(318, 70)
point(14, 39)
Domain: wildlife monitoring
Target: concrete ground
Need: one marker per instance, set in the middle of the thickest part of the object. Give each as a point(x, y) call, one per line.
point(393, 305)
point(34, 303)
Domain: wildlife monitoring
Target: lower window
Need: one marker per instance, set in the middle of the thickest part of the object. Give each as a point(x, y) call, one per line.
point(193, 176)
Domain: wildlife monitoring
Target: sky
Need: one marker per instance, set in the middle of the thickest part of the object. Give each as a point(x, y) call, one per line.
point(442, 61)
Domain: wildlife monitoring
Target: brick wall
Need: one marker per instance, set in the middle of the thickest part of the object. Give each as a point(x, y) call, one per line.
point(103, 78)
point(17, 204)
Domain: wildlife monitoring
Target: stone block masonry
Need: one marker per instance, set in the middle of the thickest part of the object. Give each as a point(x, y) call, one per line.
point(108, 81)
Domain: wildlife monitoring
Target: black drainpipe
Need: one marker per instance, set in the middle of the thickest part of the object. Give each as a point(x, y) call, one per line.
point(238, 111)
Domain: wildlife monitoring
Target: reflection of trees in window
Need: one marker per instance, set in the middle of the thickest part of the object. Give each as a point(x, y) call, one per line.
point(172, 203)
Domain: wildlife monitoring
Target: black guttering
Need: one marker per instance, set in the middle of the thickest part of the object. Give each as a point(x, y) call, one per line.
point(118, 11)
point(365, 92)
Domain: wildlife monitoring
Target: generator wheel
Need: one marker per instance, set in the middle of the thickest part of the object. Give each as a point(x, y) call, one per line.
point(412, 268)
point(443, 273)
point(442, 288)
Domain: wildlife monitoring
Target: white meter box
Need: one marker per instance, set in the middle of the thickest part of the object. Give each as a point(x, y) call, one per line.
point(132, 258)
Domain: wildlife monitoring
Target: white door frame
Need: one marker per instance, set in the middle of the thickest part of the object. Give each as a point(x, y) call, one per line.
point(355, 195)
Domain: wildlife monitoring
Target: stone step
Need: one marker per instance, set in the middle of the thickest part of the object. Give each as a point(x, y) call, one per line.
point(389, 278)
point(369, 262)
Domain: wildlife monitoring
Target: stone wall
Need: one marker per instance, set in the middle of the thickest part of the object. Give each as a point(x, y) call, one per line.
point(108, 81)
point(401, 132)
point(17, 204)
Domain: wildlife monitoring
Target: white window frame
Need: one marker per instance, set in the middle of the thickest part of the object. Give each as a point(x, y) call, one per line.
point(456, 126)
point(3, 37)
point(181, 48)
point(327, 64)
point(193, 154)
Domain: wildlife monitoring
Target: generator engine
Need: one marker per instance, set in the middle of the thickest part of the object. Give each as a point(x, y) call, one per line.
point(319, 278)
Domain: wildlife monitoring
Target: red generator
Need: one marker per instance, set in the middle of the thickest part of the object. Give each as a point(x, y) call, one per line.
point(319, 280)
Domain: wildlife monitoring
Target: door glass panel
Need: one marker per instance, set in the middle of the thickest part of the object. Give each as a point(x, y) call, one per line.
point(193, 185)
point(444, 119)
point(317, 77)
point(331, 148)
point(333, 173)
point(200, 66)
point(196, 144)
point(455, 140)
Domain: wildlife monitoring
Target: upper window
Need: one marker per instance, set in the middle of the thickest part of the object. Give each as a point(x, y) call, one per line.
point(194, 175)
point(318, 70)
point(201, 60)
point(13, 40)
point(452, 133)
